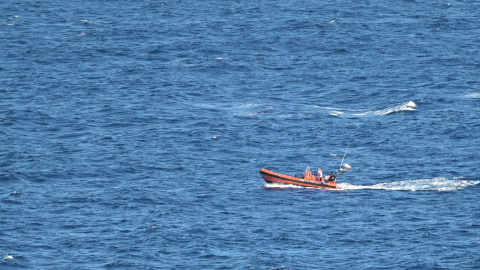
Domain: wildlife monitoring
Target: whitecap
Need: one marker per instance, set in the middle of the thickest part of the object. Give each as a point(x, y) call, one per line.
point(405, 106)
point(8, 257)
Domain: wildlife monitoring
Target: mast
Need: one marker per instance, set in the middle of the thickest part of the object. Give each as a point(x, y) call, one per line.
point(344, 156)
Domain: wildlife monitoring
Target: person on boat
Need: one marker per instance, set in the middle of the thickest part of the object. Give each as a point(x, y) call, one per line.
point(330, 179)
point(319, 175)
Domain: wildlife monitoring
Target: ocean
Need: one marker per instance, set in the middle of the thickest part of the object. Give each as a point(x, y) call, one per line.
point(132, 134)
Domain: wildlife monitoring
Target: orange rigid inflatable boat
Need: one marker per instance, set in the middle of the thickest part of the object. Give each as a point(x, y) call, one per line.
point(307, 180)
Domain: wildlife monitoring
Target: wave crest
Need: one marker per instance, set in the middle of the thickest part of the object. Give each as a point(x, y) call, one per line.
point(405, 106)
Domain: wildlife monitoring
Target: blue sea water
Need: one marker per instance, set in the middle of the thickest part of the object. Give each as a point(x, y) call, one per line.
point(132, 134)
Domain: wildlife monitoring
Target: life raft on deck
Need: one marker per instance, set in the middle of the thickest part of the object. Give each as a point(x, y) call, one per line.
point(307, 180)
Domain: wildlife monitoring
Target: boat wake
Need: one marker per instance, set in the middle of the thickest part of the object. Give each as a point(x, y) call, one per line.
point(406, 106)
point(435, 184)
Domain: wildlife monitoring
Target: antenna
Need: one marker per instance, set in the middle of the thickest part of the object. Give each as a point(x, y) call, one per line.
point(344, 156)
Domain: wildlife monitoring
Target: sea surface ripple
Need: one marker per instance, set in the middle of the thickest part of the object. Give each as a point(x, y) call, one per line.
point(132, 134)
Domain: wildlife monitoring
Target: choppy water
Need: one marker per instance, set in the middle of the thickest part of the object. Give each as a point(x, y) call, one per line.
point(132, 134)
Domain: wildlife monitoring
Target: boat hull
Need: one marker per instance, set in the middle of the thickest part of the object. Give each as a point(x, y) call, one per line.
point(273, 177)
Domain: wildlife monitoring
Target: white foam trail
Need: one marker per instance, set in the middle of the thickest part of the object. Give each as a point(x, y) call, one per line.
point(405, 106)
point(436, 184)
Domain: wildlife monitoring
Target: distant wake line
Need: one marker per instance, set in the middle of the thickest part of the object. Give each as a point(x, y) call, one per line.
point(436, 184)
point(406, 106)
